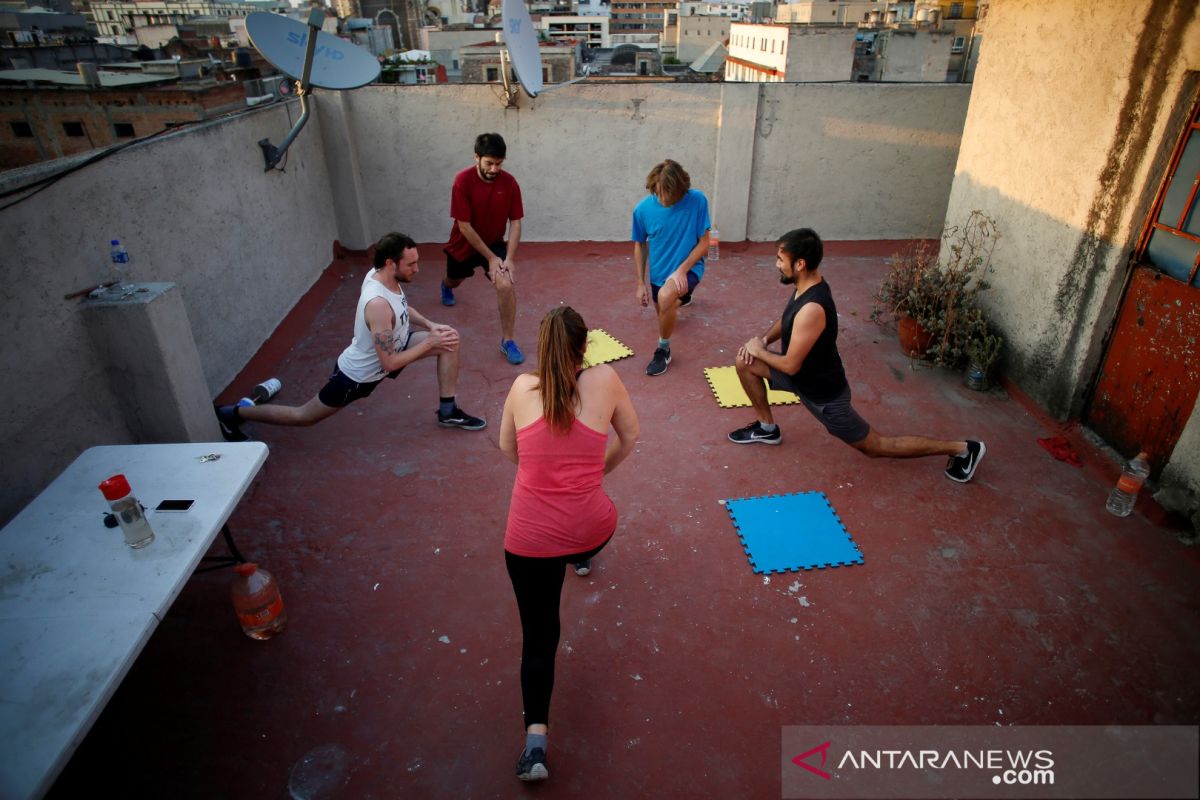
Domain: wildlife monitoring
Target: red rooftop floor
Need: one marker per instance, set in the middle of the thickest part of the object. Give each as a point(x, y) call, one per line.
point(1013, 600)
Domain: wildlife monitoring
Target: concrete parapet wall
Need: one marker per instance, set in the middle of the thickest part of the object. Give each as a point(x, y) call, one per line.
point(194, 208)
point(859, 161)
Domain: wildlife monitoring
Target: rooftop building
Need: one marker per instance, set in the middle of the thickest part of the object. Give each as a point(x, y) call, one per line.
point(1014, 600)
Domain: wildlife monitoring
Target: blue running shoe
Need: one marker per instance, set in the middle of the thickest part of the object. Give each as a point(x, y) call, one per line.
point(511, 351)
point(447, 295)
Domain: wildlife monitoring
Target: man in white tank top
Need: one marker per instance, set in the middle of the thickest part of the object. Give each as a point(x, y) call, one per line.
point(388, 336)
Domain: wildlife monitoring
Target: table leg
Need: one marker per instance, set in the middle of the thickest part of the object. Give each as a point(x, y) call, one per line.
point(234, 557)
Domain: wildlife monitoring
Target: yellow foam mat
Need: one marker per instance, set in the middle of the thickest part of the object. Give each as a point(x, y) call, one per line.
point(602, 348)
point(729, 392)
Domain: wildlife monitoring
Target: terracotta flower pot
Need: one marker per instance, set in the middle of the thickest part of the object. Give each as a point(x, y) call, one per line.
point(914, 340)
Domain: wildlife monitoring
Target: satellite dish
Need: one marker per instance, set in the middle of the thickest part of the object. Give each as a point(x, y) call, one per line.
point(336, 63)
point(313, 58)
point(522, 44)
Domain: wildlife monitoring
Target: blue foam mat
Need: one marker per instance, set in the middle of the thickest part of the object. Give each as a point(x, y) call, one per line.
point(791, 532)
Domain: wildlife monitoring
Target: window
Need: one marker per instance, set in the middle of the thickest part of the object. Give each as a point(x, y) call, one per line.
point(493, 74)
point(73, 129)
point(956, 10)
point(959, 42)
point(1171, 241)
point(123, 130)
point(21, 130)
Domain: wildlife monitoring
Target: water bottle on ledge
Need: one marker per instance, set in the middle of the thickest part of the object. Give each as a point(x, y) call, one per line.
point(714, 245)
point(1123, 497)
point(120, 263)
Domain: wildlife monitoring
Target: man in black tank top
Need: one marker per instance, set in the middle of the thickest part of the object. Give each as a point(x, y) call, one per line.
point(808, 365)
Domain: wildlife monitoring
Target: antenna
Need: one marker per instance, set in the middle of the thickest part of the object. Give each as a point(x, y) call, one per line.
point(311, 58)
point(523, 52)
point(522, 45)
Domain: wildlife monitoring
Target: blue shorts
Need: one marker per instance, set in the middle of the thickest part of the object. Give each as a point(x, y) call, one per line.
point(837, 415)
point(693, 282)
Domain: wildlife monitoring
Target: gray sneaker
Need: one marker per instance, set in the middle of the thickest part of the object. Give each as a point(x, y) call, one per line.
point(754, 434)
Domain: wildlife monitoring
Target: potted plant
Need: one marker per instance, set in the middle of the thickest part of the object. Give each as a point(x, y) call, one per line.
point(983, 350)
point(932, 294)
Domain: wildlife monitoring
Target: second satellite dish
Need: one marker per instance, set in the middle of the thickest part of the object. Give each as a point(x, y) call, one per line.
point(337, 64)
point(522, 45)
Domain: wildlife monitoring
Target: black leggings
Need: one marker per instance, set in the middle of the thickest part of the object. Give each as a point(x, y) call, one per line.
point(537, 583)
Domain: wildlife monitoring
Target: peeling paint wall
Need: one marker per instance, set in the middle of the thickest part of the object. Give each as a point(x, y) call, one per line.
point(1063, 147)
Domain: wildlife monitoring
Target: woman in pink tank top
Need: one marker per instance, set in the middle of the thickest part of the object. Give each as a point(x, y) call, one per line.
point(556, 429)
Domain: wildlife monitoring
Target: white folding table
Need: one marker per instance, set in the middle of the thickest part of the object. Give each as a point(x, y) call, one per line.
point(77, 604)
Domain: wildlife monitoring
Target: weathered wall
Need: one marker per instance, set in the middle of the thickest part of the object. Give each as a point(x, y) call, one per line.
point(1057, 148)
point(914, 55)
point(860, 161)
point(194, 208)
point(1064, 149)
point(855, 161)
point(820, 54)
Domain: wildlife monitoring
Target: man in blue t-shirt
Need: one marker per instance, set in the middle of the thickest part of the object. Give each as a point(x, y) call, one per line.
point(670, 231)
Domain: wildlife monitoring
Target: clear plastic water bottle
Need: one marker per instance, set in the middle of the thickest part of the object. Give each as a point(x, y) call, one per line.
point(714, 245)
point(120, 263)
point(1124, 494)
point(128, 511)
point(257, 602)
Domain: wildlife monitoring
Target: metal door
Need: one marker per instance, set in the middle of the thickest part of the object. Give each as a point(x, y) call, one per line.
point(1147, 386)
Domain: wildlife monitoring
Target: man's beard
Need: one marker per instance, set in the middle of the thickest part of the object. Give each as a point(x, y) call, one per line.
point(484, 176)
point(787, 280)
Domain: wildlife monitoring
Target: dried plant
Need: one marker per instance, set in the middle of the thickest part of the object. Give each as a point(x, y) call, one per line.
point(939, 287)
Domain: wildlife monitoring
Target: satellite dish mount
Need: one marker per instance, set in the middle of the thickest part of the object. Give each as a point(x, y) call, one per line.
point(327, 62)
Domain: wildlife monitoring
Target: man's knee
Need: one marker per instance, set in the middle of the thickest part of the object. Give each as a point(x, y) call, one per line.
point(870, 446)
point(504, 282)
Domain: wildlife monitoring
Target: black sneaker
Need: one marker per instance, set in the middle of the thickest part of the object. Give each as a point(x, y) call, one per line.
point(532, 766)
point(231, 424)
point(461, 419)
point(686, 300)
point(583, 568)
point(962, 468)
point(658, 364)
point(754, 433)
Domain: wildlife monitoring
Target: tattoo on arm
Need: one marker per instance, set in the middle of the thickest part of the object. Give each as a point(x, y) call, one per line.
point(383, 340)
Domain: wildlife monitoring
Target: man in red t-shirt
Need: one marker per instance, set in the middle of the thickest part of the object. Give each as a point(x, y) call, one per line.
point(484, 201)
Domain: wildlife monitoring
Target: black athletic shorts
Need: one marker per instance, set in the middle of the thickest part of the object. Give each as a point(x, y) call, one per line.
point(341, 390)
point(458, 270)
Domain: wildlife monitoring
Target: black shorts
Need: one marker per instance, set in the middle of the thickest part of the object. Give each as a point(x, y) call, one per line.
point(837, 415)
point(460, 270)
point(693, 282)
point(341, 390)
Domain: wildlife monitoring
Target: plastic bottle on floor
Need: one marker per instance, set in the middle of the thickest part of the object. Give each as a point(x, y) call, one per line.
point(266, 390)
point(1122, 498)
point(257, 602)
point(714, 245)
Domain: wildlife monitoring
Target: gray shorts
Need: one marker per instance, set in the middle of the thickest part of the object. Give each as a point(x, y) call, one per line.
point(837, 415)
